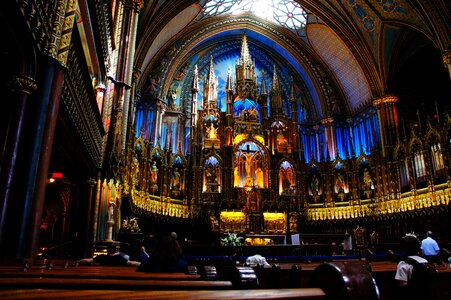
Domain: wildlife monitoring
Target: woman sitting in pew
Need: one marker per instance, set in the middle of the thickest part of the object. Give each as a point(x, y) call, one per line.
point(165, 257)
point(112, 258)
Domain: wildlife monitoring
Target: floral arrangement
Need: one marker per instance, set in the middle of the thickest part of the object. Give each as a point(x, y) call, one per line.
point(231, 239)
point(130, 225)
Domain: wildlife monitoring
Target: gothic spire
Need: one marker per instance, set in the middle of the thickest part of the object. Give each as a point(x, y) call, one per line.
point(210, 88)
point(275, 80)
point(246, 85)
point(245, 58)
point(195, 85)
point(211, 74)
point(264, 91)
point(229, 79)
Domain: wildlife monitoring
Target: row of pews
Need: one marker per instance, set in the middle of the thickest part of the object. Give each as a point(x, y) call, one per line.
point(340, 279)
point(66, 279)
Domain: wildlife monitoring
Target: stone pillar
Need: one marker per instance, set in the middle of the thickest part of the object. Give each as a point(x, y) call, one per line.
point(100, 94)
point(21, 87)
point(86, 225)
point(388, 120)
point(131, 13)
point(329, 129)
point(63, 37)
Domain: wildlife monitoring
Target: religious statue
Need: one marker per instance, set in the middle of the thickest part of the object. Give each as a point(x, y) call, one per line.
point(171, 99)
point(236, 176)
point(367, 181)
point(110, 221)
point(154, 177)
point(154, 173)
point(111, 211)
point(176, 180)
point(253, 114)
point(244, 115)
point(286, 183)
point(211, 132)
point(210, 176)
point(259, 177)
point(340, 182)
point(248, 163)
point(135, 171)
point(374, 238)
point(314, 185)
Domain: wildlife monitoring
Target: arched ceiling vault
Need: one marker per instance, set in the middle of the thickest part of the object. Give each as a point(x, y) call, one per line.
point(169, 33)
point(301, 62)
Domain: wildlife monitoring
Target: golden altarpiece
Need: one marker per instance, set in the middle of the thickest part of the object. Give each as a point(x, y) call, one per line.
point(254, 170)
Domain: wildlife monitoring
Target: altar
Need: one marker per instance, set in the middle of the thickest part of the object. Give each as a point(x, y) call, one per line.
point(264, 239)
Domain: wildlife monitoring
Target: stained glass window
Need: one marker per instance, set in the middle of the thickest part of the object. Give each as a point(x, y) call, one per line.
point(286, 13)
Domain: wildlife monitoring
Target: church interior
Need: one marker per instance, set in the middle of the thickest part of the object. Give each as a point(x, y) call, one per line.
point(280, 123)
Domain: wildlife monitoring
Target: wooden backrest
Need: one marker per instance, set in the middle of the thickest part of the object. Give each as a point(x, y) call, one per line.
point(346, 281)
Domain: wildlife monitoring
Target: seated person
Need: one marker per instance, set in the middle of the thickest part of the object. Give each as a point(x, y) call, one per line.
point(409, 282)
point(430, 248)
point(165, 257)
point(143, 255)
point(112, 258)
point(124, 251)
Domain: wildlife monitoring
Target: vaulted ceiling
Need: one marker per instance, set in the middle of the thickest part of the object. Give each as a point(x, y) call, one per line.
point(348, 53)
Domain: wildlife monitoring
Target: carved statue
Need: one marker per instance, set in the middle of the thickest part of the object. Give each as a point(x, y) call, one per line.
point(154, 173)
point(315, 184)
point(236, 176)
point(367, 181)
point(340, 183)
point(211, 132)
point(248, 162)
point(176, 180)
point(259, 177)
point(253, 114)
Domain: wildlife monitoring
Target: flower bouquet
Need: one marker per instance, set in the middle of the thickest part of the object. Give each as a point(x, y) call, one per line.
point(231, 239)
point(130, 225)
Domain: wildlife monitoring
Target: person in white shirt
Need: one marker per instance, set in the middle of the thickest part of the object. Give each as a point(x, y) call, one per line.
point(411, 246)
point(430, 248)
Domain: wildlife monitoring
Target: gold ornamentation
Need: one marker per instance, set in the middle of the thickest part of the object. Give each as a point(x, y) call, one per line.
point(446, 56)
point(385, 99)
point(57, 25)
point(23, 84)
point(66, 33)
point(134, 4)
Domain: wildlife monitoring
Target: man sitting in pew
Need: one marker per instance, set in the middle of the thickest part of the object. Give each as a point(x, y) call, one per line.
point(112, 258)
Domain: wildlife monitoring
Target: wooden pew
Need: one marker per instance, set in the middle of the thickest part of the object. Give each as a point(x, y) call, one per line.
point(112, 284)
point(330, 280)
point(273, 294)
point(346, 281)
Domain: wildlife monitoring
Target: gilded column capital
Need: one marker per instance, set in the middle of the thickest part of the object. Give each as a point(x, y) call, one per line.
point(134, 4)
point(327, 120)
point(446, 56)
point(136, 73)
point(100, 87)
point(23, 84)
point(387, 99)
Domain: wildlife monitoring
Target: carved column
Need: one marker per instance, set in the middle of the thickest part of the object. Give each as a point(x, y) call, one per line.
point(329, 130)
point(388, 121)
point(85, 226)
point(65, 35)
point(21, 87)
point(131, 13)
point(100, 94)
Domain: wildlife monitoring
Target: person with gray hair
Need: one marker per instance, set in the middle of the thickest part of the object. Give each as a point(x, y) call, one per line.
point(430, 248)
